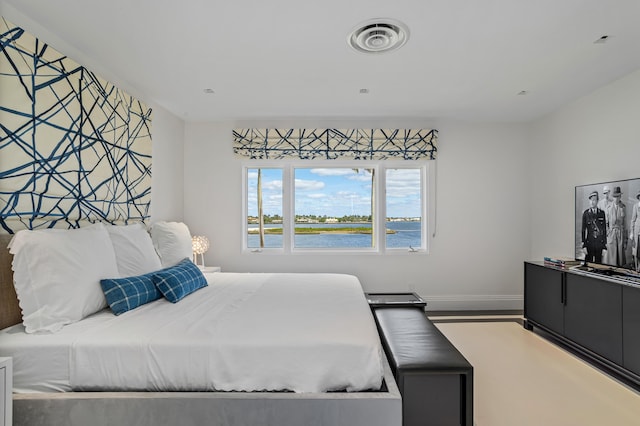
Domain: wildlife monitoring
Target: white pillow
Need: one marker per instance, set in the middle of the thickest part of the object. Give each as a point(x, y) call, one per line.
point(134, 250)
point(172, 241)
point(57, 274)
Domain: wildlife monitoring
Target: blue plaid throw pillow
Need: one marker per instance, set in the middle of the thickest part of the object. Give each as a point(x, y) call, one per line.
point(179, 281)
point(124, 294)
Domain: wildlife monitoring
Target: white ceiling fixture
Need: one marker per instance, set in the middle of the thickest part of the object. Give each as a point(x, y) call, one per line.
point(378, 36)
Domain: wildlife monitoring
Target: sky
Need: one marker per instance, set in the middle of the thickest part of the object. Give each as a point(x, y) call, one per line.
point(336, 192)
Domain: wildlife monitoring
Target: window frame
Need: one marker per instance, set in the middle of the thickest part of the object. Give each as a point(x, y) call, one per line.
point(379, 213)
point(424, 207)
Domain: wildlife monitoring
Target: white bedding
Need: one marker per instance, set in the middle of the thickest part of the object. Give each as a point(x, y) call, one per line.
point(245, 332)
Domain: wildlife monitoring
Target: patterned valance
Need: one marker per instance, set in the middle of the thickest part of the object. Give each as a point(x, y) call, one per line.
point(316, 144)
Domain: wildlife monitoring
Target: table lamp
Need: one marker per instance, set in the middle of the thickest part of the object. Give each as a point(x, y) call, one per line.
point(200, 245)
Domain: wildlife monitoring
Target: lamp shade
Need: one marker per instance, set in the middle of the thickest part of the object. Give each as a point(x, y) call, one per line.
point(200, 244)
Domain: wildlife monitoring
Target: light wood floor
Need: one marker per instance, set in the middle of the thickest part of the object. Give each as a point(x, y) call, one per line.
point(522, 379)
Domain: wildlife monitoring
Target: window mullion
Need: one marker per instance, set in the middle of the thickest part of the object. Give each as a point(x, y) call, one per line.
point(381, 211)
point(288, 221)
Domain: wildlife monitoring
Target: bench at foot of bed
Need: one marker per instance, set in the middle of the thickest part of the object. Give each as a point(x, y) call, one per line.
point(435, 380)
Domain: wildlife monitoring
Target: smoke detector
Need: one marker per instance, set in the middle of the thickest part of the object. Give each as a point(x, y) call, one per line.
point(378, 36)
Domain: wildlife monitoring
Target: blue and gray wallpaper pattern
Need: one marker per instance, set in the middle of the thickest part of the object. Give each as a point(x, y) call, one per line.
point(73, 147)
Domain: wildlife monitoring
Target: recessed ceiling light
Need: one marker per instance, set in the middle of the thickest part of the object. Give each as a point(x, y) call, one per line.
point(378, 36)
point(364, 91)
point(602, 40)
point(209, 91)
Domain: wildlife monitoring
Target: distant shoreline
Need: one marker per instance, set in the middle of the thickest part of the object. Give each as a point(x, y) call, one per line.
point(389, 220)
point(317, 231)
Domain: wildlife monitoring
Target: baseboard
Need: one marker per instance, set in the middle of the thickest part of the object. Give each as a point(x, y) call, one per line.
point(474, 302)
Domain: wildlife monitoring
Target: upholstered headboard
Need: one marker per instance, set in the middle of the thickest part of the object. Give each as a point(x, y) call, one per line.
point(10, 313)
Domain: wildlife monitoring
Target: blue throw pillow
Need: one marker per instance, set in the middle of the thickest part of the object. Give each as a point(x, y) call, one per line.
point(179, 281)
point(124, 294)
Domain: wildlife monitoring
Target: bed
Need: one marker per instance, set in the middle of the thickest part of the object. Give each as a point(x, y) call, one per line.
point(338, 376)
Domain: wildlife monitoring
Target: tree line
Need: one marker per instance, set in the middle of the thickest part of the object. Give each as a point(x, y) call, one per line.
point(313, 218)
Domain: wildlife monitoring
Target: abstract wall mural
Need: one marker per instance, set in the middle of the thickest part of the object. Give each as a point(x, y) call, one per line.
point(330, 144)
point(73, 147)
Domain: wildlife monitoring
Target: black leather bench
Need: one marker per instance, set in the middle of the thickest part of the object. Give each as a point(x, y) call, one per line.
point(435, 380)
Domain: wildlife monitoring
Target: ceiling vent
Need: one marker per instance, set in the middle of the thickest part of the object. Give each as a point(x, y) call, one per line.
point(378, 36)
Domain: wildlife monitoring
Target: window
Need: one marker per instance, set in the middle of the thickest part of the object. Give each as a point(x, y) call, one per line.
point(363, 207)
point(404, 208)
point(333, 208)
point(264, 208)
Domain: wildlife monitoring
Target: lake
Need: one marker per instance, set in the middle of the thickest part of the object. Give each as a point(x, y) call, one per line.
point(407, 234)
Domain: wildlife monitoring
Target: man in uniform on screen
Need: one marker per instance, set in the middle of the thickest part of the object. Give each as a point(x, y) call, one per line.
point(594, 230)
point(616, 230)
point(603, 205)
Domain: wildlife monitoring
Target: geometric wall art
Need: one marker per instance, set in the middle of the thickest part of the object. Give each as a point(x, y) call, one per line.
point(73, 147)
point(331, 144)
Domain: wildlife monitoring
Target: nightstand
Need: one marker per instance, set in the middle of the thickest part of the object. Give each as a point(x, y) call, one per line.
point(6, 392)
point(210, 268)
point(395, 300)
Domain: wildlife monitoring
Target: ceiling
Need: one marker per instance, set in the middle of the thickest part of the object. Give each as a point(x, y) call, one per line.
point(269, 59)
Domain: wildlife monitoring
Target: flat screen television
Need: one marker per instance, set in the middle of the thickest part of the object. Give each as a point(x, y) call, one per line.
point(608, 224)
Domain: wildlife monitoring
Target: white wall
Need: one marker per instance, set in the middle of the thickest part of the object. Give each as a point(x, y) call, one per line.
point(167, 186)
point(483, 221)
point(591, 140)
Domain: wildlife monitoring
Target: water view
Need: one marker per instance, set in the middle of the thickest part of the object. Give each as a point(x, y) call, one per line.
point(333, 207)
point(401, 234)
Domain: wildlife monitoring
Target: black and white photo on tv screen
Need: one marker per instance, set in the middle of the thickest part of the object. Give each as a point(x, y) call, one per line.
point(607, 228)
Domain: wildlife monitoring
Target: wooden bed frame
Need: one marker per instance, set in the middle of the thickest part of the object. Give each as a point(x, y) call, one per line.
point(377, 408)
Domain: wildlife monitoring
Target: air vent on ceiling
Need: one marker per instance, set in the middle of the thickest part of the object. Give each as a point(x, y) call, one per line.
point(378, 35)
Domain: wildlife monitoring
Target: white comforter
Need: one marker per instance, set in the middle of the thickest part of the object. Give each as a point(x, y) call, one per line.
point(245, 332)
